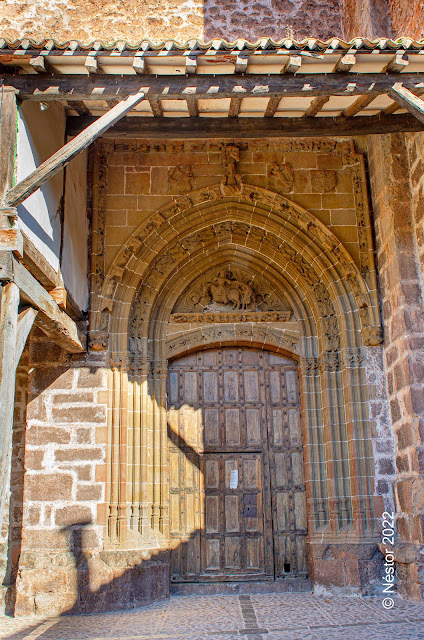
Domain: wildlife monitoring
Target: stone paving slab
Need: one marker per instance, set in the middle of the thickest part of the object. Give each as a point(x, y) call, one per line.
point(274, 616)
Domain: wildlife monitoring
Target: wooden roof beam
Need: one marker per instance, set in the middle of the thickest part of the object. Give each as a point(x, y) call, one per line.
point(292, 65)
point(272, 107)
point(191, 65)
point(40, 64)
point(139, 65)
point(104, 87)
point(63, 156)
point(244, 128)
point(192, 106)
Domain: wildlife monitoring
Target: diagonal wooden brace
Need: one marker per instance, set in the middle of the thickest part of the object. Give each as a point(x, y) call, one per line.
point(53, 321)
point(408, 100)
point(61, 158)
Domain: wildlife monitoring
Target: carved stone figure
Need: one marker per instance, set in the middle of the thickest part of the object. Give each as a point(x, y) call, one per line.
point(180, 179)
point(281, 177)
point(323, 180)
point(231, 183)
point(225, 289)
point(229, 290)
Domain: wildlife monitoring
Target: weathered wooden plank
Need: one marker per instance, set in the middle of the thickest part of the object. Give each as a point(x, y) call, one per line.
point(8, 116)
point(8, 335)
point(81, 87)
point(145, 127)
point(58, 160)
point(54, 322)
point(407, 100)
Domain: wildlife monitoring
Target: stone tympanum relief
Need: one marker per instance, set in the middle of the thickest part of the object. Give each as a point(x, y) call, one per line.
point(230, 295)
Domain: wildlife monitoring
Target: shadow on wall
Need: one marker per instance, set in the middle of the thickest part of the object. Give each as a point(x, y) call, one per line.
point(276, 19)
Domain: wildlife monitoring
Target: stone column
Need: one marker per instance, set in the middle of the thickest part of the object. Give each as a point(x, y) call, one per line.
point(403, 315)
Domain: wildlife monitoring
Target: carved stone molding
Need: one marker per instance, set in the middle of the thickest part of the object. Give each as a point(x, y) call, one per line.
point(98, 341)
point(230, 335)
point(308, 366)
point(208, 318)
point(119, 361)
point(330, 361)
point(352, 357)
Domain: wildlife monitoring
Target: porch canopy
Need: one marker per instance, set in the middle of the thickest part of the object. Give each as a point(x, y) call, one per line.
point(221, 89)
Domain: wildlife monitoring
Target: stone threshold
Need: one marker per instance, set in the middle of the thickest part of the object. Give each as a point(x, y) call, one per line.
point(288, 585)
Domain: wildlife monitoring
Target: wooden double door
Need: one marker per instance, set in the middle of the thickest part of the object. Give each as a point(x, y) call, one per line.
point(237, 492)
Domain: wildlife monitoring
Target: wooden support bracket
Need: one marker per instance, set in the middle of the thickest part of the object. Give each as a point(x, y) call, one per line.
point(11, 238)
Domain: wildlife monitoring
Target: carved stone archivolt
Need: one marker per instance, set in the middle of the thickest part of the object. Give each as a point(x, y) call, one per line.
point(224, 256)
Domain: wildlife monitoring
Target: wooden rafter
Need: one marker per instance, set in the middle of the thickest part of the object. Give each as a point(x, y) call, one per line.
point(105, 87)
point(357, 106)
point(156, 107)
point(192, 106)
point(234, 109)
point(272, 107)
point(145, 127)
point(58, 160)
point(316, 106)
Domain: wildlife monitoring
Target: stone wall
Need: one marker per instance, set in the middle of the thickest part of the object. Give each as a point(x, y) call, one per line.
point(403, 313)
point(158, 20)
point(368, 18)
point(407, 18)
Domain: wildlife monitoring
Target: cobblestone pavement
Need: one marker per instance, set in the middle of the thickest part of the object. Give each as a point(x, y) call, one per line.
point(230, 617)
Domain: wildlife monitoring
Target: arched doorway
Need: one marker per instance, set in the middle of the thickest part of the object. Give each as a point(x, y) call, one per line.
point(237, 488)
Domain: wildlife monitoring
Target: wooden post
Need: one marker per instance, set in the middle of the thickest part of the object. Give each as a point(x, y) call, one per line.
point(14, 330)
point(8, 118)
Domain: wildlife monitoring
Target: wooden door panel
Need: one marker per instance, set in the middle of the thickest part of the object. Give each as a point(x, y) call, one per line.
point(235, 409)
point(286, 468)
point(238, 503)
